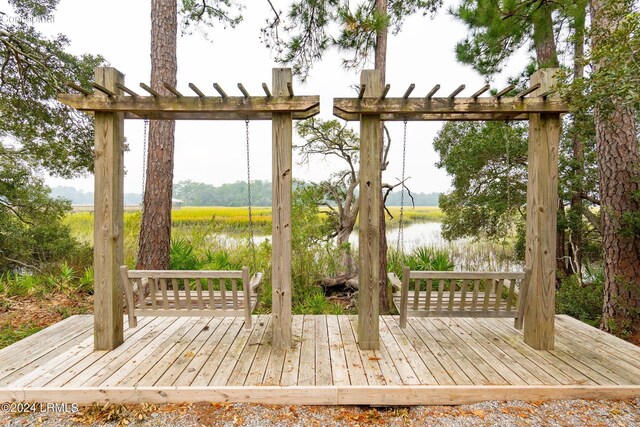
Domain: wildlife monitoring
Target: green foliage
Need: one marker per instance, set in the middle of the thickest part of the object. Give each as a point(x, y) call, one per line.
point(32, 233)
point(487, 162)
point(582, 302)
point(422, 258)
point(199, 194)
point(209, 12)
point(34, 71)
point(312, 30)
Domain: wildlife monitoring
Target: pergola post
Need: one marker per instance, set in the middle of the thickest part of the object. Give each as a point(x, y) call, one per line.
point(542, 207)
point(369, 219)
point(281, 154)
point(108, 218)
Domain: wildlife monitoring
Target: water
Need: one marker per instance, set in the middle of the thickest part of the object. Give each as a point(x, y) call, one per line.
point(467, 254)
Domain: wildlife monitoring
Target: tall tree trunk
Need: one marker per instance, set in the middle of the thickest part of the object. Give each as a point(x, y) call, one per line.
point(155, 229)
point(381, 64)
point(576, 240)
point(619, 175)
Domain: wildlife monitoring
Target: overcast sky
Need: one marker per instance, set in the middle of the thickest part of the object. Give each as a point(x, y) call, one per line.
point(214, 152)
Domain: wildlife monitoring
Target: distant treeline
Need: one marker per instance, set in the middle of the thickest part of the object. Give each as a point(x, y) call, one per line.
point(199, 194)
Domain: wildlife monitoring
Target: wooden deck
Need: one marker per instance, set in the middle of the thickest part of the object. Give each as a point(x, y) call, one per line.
point(432, 361)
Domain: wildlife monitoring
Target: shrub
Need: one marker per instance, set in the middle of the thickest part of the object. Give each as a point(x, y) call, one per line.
point(582, 302)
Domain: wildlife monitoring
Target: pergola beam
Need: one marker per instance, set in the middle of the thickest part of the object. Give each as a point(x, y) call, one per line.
point(148, 105)
point(418, 106)
point(435, 117)
point(228, 115)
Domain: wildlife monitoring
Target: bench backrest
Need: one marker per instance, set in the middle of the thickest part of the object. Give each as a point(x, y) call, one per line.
point(463, 294)
point(190, 292)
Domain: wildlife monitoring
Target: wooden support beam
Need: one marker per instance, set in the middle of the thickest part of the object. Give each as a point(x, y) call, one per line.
point(126, 90)
point(281, 154)
point(505, 91)
point(266, 90)
point(243, 90)
point(220, 115)
point(172, 89)
point(438, 117)
point(370, 200)
point(411, 106)
point(482, 90)
point(527, 91)
point(108, 219)
point(218, 89)
point(145, 87)
point(144, 105)
point(196, 90)
point(103, 89)
point(410, 89)
point(456, 92)
point(432, 92)
point(289, 88)
point(78, 88)
point(542, 206)
point(363, 87)
point(385, 91)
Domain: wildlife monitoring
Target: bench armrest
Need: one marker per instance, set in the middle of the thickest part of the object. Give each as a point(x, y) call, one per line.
point(254, 284)
point(395, 282)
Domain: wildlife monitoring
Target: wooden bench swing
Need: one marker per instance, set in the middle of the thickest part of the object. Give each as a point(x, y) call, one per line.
point(190, 293)
point(194, 292)
point(456, 293)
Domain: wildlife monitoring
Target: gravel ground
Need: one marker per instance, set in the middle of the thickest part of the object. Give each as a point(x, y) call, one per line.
point(554, 413)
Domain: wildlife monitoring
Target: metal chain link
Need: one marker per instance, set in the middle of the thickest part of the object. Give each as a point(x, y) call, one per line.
point(144, 162)
point(400, 243)
point(251, 234)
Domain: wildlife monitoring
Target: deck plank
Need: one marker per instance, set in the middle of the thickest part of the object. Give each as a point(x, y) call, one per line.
point(406, 372)
point(525, 368)
point(435, 347)
point(247, 356)
point(323, 354)
point(141, 362)
point(307, 361)
point(606, 343)
point(379, 364)
point(564, 372)
point(22, 357)
point(411, 355)
point(430, 361)
point(231, 357)
point(181, 362)
point(214, 361)
point(291, 365)
point(355, 364)
point(259, 366)
point(340, 371)
point(485, 362)
point(464, 364)
point(175, 348)
point(201, 357)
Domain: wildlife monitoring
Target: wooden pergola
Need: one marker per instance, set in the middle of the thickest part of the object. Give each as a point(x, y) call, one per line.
point(540, 105)
point(112, 102)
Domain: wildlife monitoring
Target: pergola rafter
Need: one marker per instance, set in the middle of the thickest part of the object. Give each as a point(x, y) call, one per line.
point(429, 108)
point(179, 107)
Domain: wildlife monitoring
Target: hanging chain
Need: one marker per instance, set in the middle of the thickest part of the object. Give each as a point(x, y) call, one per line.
point(400, 243)
point(251, 234)
point(144, 162)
